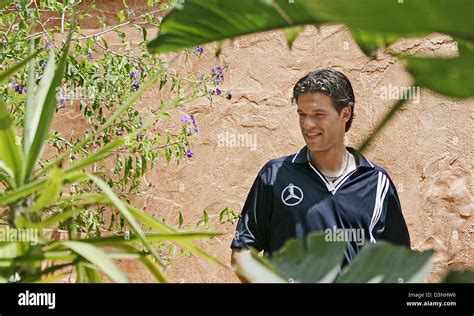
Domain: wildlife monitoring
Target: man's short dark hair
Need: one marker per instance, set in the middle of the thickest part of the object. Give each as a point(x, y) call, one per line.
point(333, 84)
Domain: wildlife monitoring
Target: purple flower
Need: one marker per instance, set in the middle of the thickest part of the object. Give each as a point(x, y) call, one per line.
point(135, 85)
point(199, 49)
point(18, 87)
point(43, 63)
point(140, 123)
point(49, 44)
point(185, 119)
point(90, 55)
point(189, 153)
point(135, 74)
point(61, 104)
point(17, 6)
point(218, 91)
point(194, 123)
point(217, 75)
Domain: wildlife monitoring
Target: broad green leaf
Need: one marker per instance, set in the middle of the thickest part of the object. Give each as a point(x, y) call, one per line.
point(291, 33)
point(48, 108)
point(8, 250)
point(369, 42)
point(154, 269)
point(99, 258)
point(36, 105)
point(10, 152)
point(53, 220)
point(407, 18)
point(258, 269)
point(448, 76)
point(125, 213)
point(389, 264)
point(319, 263)
point(51, 191)
point(31, 187)
point(24, 190)
point(92, 273)
point(203, 21)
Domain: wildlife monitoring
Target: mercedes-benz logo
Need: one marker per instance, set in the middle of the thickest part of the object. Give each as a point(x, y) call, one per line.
point(292, 195)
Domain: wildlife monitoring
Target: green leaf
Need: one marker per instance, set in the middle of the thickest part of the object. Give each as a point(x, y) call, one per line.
point(121, 16)
point(203, 21)
point(319, 263)
point(99, 258)
point(180, 220)
point(448, 76)
point(24, 190)
point(53, 220)
point(369, 42)
point(51, 191)
point(152, 237)
point(408, 18)
point(36, 103)
point(161, 227)
point(258, 269)
point(291, 33)
point(388, 263)
point(125, 213)
point(10, 152)
point(13, 69)
point(48, 107)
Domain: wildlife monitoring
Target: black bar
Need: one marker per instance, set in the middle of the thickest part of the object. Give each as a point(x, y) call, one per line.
point(225, 299)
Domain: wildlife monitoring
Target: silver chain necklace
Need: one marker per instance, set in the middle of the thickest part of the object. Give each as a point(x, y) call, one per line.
point(333, 178)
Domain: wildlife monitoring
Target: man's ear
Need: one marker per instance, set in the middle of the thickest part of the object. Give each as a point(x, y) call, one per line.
point(346, 113)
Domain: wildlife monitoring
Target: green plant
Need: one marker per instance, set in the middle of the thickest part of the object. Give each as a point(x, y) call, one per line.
point(36, 200)
point(100, 76)
point(321, 262)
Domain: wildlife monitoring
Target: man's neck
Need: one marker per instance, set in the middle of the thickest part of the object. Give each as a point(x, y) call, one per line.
point(329, 161)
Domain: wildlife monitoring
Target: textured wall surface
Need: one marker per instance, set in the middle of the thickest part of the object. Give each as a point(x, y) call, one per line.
point(427, 149)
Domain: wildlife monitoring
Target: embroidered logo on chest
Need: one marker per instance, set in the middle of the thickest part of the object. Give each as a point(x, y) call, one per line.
point(292, 195)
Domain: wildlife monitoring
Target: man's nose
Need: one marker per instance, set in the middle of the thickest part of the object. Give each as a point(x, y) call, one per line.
point(308, 123)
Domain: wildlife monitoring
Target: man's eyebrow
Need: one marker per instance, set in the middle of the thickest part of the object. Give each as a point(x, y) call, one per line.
point(312, 111)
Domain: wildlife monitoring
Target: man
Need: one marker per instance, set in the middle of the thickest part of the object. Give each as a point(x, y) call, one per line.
point(325, 186)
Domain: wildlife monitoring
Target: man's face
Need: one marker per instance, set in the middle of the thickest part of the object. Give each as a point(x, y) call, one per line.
point(321, 125)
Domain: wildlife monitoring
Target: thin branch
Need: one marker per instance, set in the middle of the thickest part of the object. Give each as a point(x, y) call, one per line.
point(71, 145)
